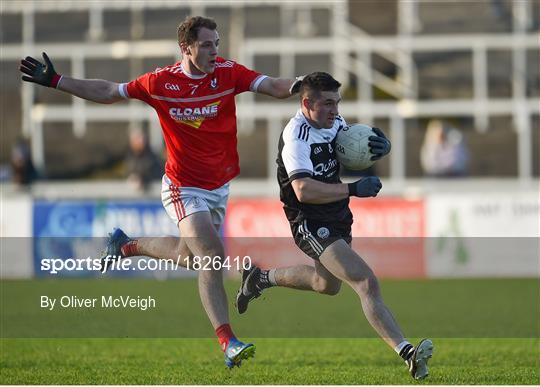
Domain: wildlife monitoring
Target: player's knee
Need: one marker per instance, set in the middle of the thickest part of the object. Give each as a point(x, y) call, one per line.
point(210, 257)
point(330, 288)
point(182, 250)
point(213, 253)
point(368, 285)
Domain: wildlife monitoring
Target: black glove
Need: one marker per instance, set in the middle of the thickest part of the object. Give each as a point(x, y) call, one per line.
point(295, 87)
point(43, 74)
point(366, 187)
point(379, 144)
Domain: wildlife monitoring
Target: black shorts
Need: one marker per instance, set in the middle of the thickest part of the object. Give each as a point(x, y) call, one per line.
point(314, 236)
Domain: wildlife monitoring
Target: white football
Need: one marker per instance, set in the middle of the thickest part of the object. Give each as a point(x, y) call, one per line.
point(352, 147)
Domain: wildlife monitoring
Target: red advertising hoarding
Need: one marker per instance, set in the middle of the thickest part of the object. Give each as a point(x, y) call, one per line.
point(387, 233)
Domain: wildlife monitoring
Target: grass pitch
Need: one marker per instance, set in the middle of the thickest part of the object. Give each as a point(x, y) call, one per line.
point(484, 331)
point(278, 361)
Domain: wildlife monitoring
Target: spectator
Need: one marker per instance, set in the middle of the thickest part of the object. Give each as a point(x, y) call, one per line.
point(444, 152)
point(142, 164)
point(23, 171)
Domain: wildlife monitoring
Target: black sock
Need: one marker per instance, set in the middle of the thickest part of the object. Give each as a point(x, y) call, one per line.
point(263, 281)
point(406, 352)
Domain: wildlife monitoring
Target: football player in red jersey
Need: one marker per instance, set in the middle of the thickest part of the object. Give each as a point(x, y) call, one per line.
point(195, 103)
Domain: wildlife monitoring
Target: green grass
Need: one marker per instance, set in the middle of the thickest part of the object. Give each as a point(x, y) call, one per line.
point(485, 332)
point(278, 361)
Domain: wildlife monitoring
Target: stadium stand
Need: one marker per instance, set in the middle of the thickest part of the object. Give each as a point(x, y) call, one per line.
point(461, 57)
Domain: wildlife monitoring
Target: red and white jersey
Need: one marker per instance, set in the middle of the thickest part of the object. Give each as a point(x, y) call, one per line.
point(198, 118)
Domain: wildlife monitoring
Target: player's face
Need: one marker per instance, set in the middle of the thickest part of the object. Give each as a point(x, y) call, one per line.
point(324, 109)
point(202, 53)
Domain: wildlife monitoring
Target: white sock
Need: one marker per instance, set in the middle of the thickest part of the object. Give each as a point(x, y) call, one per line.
point(400, 346)
point(272, 277)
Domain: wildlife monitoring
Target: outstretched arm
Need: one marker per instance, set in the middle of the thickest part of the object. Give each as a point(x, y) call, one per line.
point(279, 87)
point(96, 90)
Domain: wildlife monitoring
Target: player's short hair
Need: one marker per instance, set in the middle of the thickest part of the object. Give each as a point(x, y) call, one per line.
point(313, 84)
point(189, 29)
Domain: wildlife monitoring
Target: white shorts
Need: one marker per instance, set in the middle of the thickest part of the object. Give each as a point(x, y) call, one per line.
point(180, 202)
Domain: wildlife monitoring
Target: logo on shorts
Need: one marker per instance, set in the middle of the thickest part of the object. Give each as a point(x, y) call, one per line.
point(323, 233)
point(196, 202)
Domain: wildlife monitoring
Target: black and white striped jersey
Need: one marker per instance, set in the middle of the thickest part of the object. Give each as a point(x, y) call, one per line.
point(305, 151)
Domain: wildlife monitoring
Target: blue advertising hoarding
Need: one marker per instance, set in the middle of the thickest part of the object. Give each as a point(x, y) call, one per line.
point(77, 229)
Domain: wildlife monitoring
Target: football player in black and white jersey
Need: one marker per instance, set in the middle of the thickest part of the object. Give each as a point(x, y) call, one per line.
point(316, 204)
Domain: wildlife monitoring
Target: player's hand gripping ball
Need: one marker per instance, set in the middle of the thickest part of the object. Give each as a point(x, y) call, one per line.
point(359, 146)
point(379, 145)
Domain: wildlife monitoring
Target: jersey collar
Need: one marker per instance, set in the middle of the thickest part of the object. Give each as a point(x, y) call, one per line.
point(301, 115)
point(192, 76)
